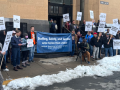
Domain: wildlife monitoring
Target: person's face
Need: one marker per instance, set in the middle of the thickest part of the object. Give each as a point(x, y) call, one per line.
point(18, 34)
point(51, 20)
point(84, 21)
point(13, 34)
point(32, 29)
point(73, 22)
point(108, 30)
point(78, 33)
point(93, 21)
point(95, 35)
point(73, 32)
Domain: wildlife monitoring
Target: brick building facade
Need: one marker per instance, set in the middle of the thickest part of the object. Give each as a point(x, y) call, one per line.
point(38, 12)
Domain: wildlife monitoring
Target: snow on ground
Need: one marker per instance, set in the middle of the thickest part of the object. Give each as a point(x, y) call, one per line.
point(105, 67)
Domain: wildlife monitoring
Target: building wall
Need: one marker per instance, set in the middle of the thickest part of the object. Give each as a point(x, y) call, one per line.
point(91, 5)
point(112, 10)
point(32, 12)
point(76, 8)
point(27, 9)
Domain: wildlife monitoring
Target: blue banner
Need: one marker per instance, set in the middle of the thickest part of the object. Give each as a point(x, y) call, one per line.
point(50, 43)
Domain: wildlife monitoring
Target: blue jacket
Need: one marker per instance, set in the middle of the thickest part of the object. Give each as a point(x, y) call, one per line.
point(24, 47)
point(15, 41)
point(88, 38)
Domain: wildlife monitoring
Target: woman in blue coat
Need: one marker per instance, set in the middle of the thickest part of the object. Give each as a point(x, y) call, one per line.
point(25, 51)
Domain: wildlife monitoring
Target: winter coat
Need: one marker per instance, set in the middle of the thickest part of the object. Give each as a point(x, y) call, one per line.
point(15, 41)
point(84, 47)
point(95, 42)
point(105, 41)
point(88, 38)
point(24, 47)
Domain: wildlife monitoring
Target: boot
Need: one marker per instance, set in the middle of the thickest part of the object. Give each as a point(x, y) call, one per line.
point(18, 67)
point(15, 69)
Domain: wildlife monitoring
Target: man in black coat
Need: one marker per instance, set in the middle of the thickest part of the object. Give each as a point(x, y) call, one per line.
point(95, 42)
point(108, 43)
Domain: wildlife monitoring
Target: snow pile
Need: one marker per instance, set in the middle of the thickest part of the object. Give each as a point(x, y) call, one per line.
point(105, 67)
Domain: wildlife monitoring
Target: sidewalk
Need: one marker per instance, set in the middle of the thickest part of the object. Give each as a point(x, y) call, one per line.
point(44, 66)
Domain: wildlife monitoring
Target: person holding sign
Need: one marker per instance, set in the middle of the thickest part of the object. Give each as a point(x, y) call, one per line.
point(95, 42)
point(25, 50)
point(108, 42)
point(32, 35)
point(16, 43)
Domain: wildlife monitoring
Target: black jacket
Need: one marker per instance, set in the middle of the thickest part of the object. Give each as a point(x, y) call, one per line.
point(84, 47)
point(95, 42)
point(2, 37)
point(29, 35)
point(106, 40)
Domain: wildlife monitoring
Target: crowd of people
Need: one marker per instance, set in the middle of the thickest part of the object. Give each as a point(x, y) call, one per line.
point(18, 49)
point(94, 42)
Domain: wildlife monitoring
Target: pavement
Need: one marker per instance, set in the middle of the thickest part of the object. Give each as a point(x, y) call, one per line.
point(45, 65)
point(88, 83)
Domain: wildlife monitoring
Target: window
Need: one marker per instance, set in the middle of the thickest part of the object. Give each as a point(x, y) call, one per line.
point(56, 1)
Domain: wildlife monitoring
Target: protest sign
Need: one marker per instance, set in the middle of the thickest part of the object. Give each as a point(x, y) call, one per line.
point(91, 14)
point(116, 44)
point(16, 21)
point(114, 29)
point(79, 16)
point(49, 42)
point(29, 43)
point(7, 41)
point(2, 23)
point(119, 27)
point(115, 21)
point(101, 26)
point(66, 17)
point(88, 26)
point(102, 17)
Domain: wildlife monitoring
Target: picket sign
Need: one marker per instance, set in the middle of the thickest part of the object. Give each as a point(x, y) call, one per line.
point(119, 27)
point(16, 21)
point(115, 21)
point(101, 26)
point(88, 26)
point(116, 44)
point(91, 14)
point(114, 29)
point(66, 17)
point(29, 43)
point(79, 16)
point(102, 17)
point(7, 41)
point(2, 23)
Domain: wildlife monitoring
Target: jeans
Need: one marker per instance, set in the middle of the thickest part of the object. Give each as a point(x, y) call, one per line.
point(118, 51)
point(99, 52)
point(110, 51)
point(91, 50)
point(5, 56)
point(31, 54)
point(16, 56)
point(114, 52)
point(73, 50)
